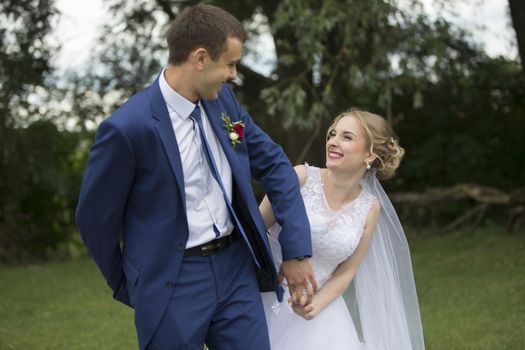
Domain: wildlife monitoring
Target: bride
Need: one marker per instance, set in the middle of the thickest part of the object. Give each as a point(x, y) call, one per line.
point(367, 299)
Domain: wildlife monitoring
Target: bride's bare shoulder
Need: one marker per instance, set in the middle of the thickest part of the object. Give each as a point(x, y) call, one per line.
point(302, 173)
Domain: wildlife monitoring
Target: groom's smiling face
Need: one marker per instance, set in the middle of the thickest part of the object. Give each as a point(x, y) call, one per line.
point(216, 72)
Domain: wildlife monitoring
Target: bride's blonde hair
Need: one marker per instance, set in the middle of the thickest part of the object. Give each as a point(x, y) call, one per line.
point(380, 140)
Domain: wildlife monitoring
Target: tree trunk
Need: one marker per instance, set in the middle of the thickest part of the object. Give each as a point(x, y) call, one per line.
point(517, 12)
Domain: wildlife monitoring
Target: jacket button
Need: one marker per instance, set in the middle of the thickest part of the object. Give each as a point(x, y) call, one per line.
point(181, 246)
point(170, 284)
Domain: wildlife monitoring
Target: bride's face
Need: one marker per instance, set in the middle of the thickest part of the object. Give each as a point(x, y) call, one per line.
point(346, 146)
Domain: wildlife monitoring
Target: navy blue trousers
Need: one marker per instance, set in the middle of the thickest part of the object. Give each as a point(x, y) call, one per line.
point(216, 300)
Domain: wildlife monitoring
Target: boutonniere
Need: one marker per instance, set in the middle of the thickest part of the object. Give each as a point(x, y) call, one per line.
point(235, 129)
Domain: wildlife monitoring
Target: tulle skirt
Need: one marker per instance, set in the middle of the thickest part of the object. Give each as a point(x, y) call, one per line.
point(331, 329)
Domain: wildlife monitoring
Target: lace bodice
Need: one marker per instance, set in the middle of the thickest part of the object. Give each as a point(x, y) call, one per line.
point(335, 234)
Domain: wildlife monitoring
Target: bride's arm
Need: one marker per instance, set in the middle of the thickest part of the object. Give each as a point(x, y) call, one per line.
point(345, 272)
point(266, 208)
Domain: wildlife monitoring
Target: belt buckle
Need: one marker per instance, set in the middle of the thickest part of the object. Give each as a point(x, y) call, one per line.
point(210, 249)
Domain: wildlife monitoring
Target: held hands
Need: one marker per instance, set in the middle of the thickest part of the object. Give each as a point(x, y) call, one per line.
point(308, 311)
point(301, 281)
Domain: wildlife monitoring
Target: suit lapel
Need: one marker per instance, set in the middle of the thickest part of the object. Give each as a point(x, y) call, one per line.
point(164, 128)
point(213, 111)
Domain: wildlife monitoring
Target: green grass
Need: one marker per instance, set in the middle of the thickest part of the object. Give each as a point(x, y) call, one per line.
point(64, 305)
point(471, 290)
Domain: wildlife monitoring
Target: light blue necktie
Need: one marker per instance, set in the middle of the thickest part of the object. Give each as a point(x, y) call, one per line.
point(196, 116)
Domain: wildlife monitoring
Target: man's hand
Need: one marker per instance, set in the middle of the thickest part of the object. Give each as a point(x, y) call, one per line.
point(301, 280)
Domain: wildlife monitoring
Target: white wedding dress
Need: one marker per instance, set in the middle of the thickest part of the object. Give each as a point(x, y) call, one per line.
point(335, 236)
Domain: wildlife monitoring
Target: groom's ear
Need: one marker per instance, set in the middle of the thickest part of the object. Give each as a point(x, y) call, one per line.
point(198, 57)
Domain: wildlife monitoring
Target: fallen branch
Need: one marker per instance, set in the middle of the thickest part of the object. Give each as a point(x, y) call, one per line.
point(483, 196)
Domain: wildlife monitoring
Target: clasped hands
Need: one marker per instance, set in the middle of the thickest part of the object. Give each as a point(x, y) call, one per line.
point(301, 284)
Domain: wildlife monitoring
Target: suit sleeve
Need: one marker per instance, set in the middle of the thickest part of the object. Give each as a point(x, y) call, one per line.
point(99, 214)
point(270, 165)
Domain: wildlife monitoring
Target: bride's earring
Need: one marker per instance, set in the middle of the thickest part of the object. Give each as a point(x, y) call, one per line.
point(368, 166)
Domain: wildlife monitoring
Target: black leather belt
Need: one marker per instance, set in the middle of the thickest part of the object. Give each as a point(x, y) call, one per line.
point(213, 247)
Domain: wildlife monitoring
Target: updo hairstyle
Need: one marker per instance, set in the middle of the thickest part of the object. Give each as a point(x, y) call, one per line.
point(380, 140)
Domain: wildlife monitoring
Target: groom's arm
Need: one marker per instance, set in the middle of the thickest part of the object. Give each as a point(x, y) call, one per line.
point(270, 165)
point(292, 267)
point(266, 207)
point(99, 214)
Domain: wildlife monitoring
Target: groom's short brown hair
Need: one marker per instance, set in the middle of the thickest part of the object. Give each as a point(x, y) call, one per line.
point(204, 26)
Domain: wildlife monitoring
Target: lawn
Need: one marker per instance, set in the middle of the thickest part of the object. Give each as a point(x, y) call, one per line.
point(471, 289)
point(64, 305)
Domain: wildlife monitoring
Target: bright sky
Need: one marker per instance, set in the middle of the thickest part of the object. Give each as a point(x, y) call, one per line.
point(77, 30)
point(489, 22)
point(81, 20)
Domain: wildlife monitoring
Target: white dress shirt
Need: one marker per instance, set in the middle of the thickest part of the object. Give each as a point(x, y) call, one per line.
point(205, 205)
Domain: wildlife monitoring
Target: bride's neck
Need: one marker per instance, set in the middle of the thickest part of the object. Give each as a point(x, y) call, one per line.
point(340, 188)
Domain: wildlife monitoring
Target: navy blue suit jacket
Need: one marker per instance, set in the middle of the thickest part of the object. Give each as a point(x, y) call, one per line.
point(131, 212)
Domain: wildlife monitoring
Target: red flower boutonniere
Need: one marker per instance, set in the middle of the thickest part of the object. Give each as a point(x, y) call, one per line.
point(235, 129)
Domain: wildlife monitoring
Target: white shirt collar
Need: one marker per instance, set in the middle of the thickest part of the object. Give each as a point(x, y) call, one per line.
point(182, 106)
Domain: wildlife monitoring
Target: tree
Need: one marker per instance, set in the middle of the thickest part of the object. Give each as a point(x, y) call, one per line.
point(468, 129)
point(517, 12)
point(36, 159)
point(332, 55)
point(24, 62)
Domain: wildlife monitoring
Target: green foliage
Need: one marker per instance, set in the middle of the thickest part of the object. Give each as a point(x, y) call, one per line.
point(39, 189)
point(331, 55)
point(325, 53)
point(469, 129)
point(24, 56)
point(459, 114)
point(37, 160)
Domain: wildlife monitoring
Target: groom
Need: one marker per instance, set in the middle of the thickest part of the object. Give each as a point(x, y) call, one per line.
point(166, 208)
